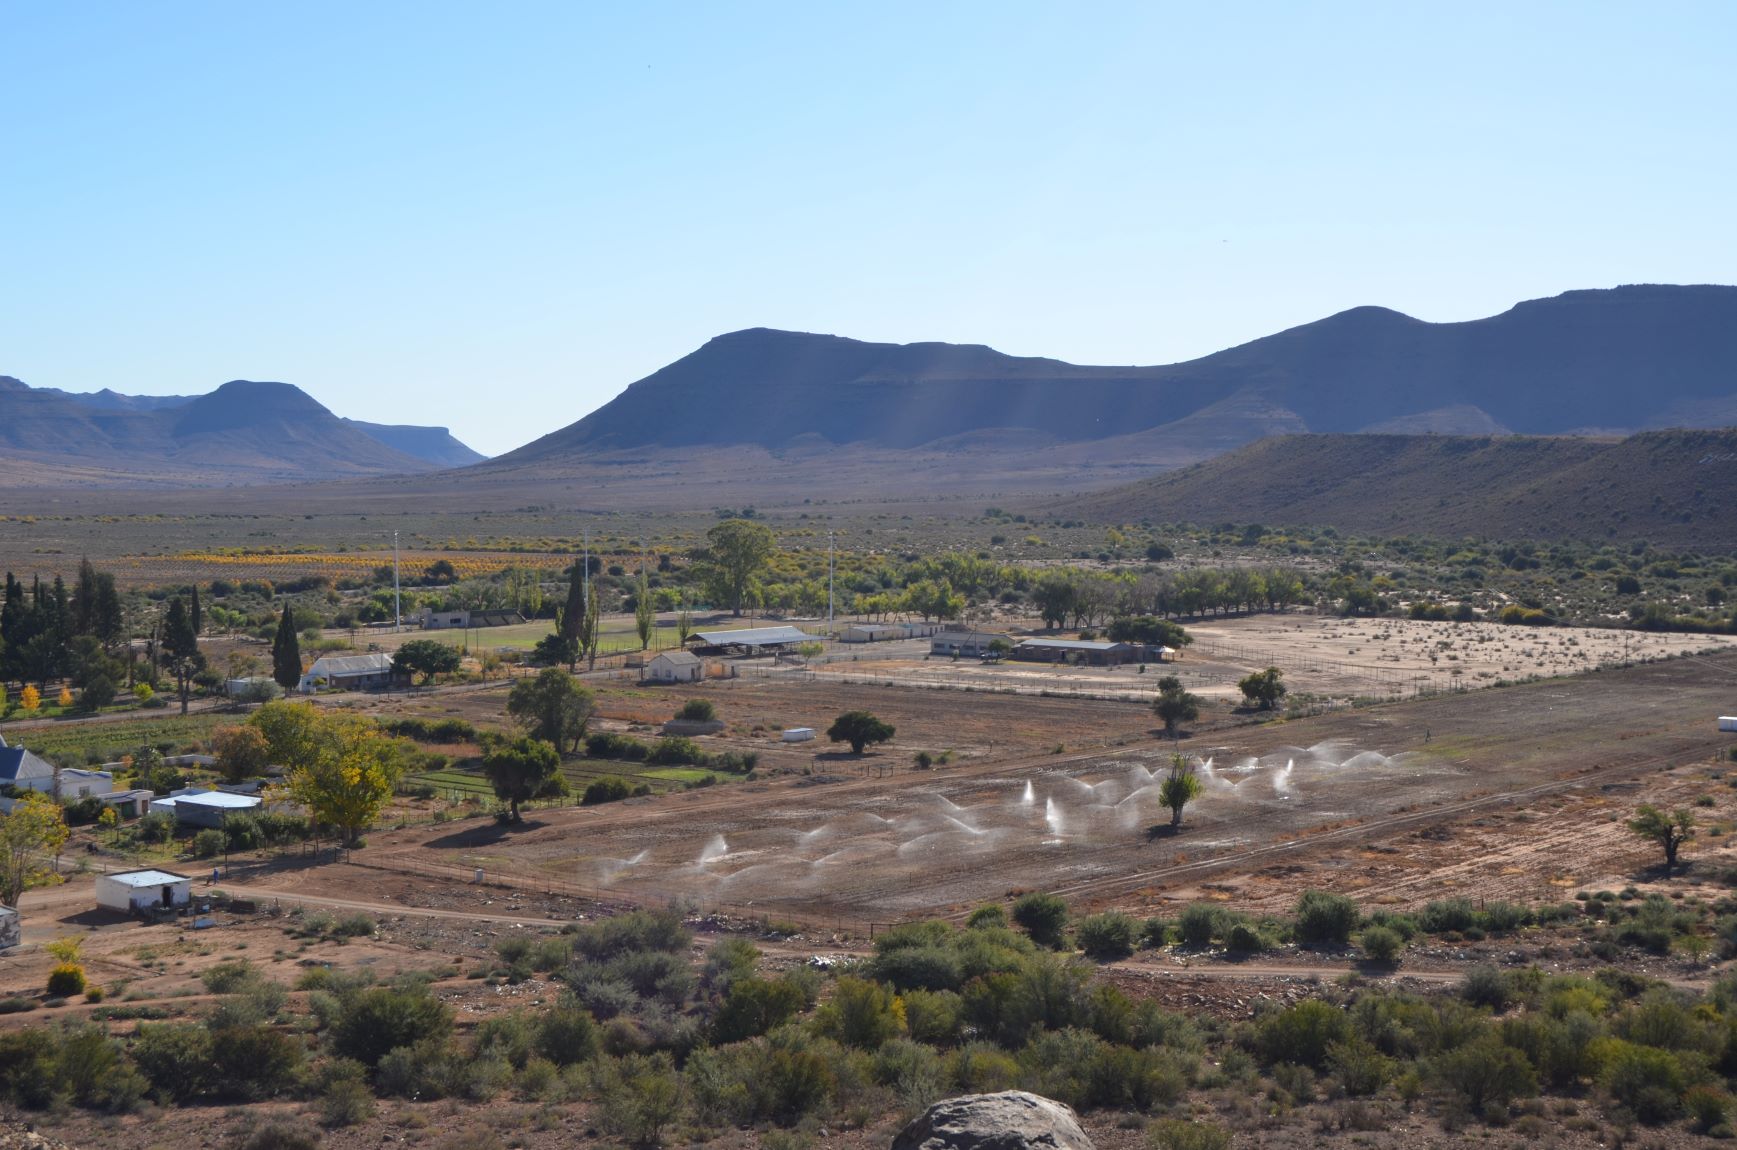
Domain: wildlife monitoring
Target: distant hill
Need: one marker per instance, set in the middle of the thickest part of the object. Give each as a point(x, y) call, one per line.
point(243, 432)
point(1672, 488)
point(1610, 361)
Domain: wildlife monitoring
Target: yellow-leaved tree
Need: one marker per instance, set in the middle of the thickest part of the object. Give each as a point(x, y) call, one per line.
point(65, 697)
point(30, 698)
point(36, 827)
point(338, 765)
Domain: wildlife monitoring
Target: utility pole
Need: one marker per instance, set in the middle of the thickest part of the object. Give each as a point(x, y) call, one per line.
point(831, 567)
point(397, 600)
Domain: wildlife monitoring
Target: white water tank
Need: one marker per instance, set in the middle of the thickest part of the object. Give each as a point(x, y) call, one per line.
point(1728, 722)
point(799, 734)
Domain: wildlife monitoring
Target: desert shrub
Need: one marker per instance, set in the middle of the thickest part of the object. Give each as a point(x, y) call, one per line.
point(16, 1005)
point(380, 1020)
point(697, 711)
point(176, 1059)
point(607, 789)
point(1403, 925)
point(566, 1035)
point(1486, 986)
point(918, 968)
point(66, 980)
point(511, 1037)
point(982, 1068)
point(1484, 1074)
point(990, 915)
point(728, 960)
point(1361, 1069)
point(281, 1134)
point(1154, 932)
point(549, 954)
point(1648, 1082)
point(1453, 914)
point(229, 977)
point(1106, 936)
point(355, 925)
point(1325, 919)
point(1200, 923)
point(27, 1068)
point(1044, 917)
point(1301, 1034)
point(640, 1097)
point(241, 831)
point(933, 1016)
point(1245, 938)
point(1708, 1106)
point(209, 843)
point(1380, 943)
point(1181, 1134)
point(430, 730)
point(755, 1006)
point(912, 1071)
point(653, 974)
point(637, 930)
point(861, 1014)
point(513, 949)
point(1504, 917)
point(156, 827)
point(258, 1062)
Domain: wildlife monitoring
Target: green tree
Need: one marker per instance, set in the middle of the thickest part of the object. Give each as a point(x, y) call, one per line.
point(1174, 705)
point(286, 652)
point(1263, 688)
point(1180, 787)
point(36, 826)
point(1670, 831)
point(523, 769)
point(644, 612)
point(738, 549)
point(570, 621)
point(242, 752)
point(338, 765)
point(859, 729)
point(429, 658)
point(181, 647)
point(553, 706)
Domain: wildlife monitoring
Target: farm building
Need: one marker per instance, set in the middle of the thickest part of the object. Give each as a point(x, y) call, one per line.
point(205, 808)
point(348, 673)
point(675, 667)
point(138, 891)
point(433, 620)
point(11, 928)
point(1092, 653)
point(252, 689)
point(755, 640)
point(965, 644)
point(798, 735)
point(77, 783)
point(19, 768)
point(874, 633)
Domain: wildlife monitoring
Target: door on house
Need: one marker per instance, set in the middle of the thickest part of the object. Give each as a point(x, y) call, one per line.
point(168, 896)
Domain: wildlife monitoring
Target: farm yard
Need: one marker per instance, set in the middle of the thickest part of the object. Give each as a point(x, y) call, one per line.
point(815, 836)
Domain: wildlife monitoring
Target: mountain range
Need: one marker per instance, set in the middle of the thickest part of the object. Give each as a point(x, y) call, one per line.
point(243, 432)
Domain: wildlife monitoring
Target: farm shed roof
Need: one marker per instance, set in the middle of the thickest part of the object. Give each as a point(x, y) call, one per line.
point(680, 658)
point(1071, 644)
point(755, 637)
point(147, 877)
point(373, 664)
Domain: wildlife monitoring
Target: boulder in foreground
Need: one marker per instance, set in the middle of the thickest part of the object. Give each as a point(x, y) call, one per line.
point(1011, 1120)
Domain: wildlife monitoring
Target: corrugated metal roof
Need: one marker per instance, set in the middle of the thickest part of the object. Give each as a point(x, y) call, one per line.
point(373, 664)
point(756, 637)
point(680, 658)
point(221, 799)
point(1071, 644)
point(148, 877)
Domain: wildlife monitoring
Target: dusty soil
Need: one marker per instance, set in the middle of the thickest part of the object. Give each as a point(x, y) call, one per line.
point(1306, 802)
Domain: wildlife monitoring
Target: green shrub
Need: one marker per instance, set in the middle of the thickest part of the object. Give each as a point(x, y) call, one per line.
point(1106, 936)
point(918, 968)
point(1044, 917)
point(1380, 943)
point(356, 925)
point(1454, 914)
point(990, 915)
point(697, 711)
point(1487, 986)
point(933, 1016)
point(16, 1005)
point(676, 750)
point(1154, 932)
point(1708, 1106)
point(755, 1006)
point(1244, 938)
point(281, 1134)
point(1325, 919)
point(862, 1014)
point(1301, 1034)
point(605, 745)
point(1648, 1082)
point(209, 843)
point(382, 1019)
point(1180, 1134)
point(1485, 1074)
point(229, 977)
point(258, 1062)
point(66, 980)
point(177, 1060)
point(607, 789)
point(1201, 922)
point(566, 1035)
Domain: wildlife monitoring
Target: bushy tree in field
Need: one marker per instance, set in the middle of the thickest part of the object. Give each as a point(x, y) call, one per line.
point(1175, 705)
point(553, 707)
point(1670, 831)
point(736, 552)
point(242, 752)
point(36, 827)
point(1263, 689)
point(523, 769)
point(338, 765)
point(1180, 787)
point(859, 729)
point(429, 658)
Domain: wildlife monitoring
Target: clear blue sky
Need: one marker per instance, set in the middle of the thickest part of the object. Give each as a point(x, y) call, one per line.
point(495, 216)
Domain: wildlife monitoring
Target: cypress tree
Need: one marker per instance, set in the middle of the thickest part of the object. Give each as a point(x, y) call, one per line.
point(196, 617)
point(286, 652)
point(573, 617)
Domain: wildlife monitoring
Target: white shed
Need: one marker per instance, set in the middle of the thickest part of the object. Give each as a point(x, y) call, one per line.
point(799, 734)
point(675, 667)
point(142, 890)
point(206, 808)
point(10, 928)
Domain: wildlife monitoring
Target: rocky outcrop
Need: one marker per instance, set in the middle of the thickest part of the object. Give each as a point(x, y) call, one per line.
point(1011, 1120)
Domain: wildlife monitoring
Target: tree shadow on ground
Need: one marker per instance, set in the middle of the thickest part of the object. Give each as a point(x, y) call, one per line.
point(1163, 831)
point(488, 834)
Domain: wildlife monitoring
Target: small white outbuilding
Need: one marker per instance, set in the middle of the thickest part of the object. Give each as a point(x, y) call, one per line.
point(799, 735)
point(675, 667)
point(137, 891)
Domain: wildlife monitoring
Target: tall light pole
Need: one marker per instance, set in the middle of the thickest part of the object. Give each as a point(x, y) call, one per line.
point(831, 567)
point(397, 601)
